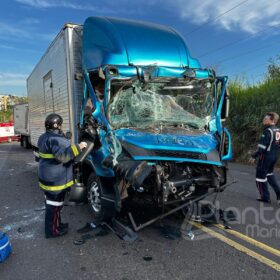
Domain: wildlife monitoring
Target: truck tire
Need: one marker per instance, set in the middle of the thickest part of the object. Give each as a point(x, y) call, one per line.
point(101, 209)
point(25, 142)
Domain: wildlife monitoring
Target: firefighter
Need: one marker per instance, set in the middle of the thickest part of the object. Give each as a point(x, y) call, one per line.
point(267, 154)
point(55, 172)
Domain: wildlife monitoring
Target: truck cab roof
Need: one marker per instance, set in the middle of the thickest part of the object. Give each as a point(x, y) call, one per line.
point(113, 41)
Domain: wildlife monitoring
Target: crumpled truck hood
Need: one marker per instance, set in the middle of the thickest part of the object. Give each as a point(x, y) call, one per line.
point(203, 143)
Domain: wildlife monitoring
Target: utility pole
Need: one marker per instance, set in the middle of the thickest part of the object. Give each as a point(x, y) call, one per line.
point(5, 103)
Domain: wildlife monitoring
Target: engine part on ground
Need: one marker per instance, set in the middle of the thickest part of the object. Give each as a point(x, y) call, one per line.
point(180, 207)
point(124, 232)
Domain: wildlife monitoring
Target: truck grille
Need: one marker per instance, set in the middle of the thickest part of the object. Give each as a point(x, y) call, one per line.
point(180, 154)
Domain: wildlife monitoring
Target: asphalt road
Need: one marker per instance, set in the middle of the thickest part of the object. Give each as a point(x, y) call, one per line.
point(214, 253)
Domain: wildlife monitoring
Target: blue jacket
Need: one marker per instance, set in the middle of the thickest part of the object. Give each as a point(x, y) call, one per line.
point(55, 164)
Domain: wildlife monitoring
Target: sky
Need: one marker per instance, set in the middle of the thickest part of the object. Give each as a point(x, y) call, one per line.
point(236, 37)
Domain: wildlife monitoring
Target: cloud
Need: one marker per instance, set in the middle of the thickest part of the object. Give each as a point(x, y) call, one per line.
point(11, 32)
point(12, 79)
point(9, 29)
point(38, 3)
point(30, 21)
point(249, 16)
point(3, 46)
point(65, 4)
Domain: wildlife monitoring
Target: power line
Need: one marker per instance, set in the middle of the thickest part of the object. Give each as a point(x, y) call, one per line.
point(237, 41)
point(248, 52)
point(217, 17)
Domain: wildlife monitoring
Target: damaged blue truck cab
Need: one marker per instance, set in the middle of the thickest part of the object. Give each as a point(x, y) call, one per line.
point(159, 107)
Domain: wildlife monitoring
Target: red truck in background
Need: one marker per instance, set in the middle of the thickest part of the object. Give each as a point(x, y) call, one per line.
point(7, 132)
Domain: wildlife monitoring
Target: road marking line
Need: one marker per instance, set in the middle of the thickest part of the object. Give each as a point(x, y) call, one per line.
point(239, 247)
point(250, 240)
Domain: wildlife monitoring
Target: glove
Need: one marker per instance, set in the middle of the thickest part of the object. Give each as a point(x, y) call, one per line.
point(82, 145)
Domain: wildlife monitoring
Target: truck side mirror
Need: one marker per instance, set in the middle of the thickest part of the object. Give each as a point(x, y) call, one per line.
point(225, 108)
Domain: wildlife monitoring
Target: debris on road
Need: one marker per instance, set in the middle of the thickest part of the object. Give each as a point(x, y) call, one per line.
point(88, 227)
point(147, 258)
point(96, 230)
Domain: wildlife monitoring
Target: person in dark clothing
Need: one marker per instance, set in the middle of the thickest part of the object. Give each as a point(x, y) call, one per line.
point(267, 155)
point(55, 172)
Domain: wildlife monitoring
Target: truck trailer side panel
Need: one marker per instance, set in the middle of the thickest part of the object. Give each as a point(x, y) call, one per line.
point(51, 86)
point(21, 125)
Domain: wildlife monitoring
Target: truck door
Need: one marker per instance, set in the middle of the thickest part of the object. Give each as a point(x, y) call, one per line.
point(222, 101)
point(48, 93)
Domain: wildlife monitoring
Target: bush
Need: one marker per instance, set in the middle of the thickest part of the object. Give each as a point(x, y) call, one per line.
point(247, 108)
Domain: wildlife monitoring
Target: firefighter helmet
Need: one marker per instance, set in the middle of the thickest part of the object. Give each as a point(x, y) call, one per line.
point(53, 121)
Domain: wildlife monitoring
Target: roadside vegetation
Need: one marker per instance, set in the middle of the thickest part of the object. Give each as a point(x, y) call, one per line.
point(6, 116)
point(247, 107)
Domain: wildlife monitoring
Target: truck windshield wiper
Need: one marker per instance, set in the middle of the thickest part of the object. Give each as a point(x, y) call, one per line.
point(176, 124)
point(192, 125)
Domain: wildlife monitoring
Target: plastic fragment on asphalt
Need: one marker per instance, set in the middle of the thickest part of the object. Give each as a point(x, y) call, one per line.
point(20, 230)
point(43, 208)
point(79, 242)
point(190, 235)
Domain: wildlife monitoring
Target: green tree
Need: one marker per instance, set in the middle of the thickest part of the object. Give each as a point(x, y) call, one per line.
point(273, 70)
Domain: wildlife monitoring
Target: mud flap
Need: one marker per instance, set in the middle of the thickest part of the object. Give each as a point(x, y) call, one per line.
point(109, 201)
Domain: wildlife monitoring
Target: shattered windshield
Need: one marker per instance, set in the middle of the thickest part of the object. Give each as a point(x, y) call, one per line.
point(168, 102)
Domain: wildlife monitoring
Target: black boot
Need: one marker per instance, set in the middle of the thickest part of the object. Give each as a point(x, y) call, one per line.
point(59, 232)
point(63, 226)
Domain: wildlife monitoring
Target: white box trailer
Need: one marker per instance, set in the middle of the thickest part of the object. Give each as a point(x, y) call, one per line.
point(21, 123)
point(52, 87)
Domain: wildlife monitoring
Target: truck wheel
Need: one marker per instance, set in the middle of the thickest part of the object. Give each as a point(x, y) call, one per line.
point(101, 209)
point(24, 142)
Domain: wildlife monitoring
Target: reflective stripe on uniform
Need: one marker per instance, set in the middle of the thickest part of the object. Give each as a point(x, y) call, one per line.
point(271, 139)
point(75, 150)
point(54, 203)
point(269, 174)
point(42, 155)
point(261, 180)
point(56, 188)
point(262, 146)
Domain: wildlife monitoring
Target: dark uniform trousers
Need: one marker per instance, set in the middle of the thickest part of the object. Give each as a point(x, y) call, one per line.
point(54, 205)
point(264, 175)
